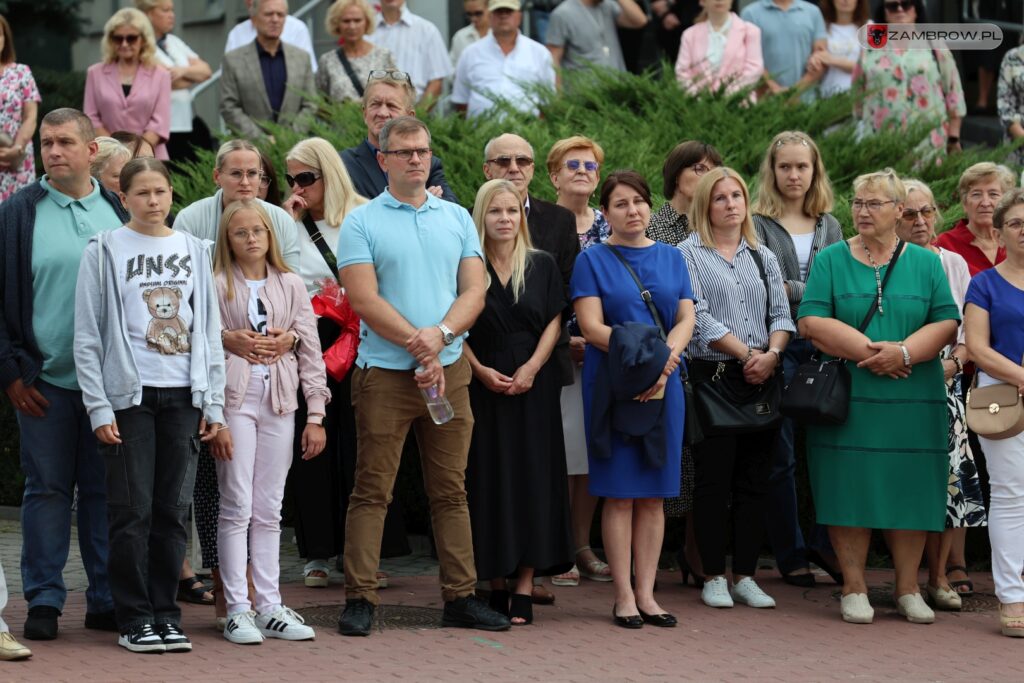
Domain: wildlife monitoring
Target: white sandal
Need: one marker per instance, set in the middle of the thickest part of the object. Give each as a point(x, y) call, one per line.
point(594, 569)
point(316, 566)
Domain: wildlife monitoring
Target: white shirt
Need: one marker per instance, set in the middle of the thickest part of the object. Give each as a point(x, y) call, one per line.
point(156, 280)
point(417, 46)
point(177, 53)
point(311, 267)
point(462, 39)
point(485, 71)
point(842, 42)
point(257, 318)
point(716, 42)
point(802, 244)
point(295, 33)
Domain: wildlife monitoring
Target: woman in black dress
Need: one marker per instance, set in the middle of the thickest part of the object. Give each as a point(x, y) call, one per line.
point(516, 478)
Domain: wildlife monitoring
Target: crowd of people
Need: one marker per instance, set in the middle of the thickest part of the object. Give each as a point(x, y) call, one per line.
point(259, 337)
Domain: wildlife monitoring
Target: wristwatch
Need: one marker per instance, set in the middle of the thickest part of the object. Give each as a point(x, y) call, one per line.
point(447, 336)
point(312, 419)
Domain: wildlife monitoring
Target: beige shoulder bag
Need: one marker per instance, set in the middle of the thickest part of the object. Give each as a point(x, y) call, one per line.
point(994, 412)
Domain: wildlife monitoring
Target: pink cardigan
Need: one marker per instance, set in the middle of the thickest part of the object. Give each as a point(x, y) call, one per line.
point(288, 307)
point(742, 63)
point(147, 107)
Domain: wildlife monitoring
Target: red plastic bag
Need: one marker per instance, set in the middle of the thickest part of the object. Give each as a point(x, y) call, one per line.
point(332, 303)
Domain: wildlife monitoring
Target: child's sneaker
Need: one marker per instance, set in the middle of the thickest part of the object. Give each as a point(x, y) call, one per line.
point(142, 638)
point(240, 628)
point(174, 638)
point(284, 624)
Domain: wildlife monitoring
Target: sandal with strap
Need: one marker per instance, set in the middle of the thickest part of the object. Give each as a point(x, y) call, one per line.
point(1012, 627)
point(570, 578)
point(956, 585)
point(521, 607)
point(316, 574)
point(595, 569)
point(194, 591)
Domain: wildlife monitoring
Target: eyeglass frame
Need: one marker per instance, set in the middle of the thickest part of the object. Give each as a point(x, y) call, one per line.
point(505, 160)
point(293, 180)
point(243, 175)
point(857, 204)
point(588, 166)
point(1018, 225)
point(386, 74)
point(244, 233)
point(126, 40)
point(898, 5)
point(406, 154)
point(932, 210)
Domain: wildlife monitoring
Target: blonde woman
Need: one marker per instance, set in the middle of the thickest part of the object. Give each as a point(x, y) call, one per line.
point(129, 90)
point(515, 479)
point(351, 21)
point(791, 216)
point(106, 165)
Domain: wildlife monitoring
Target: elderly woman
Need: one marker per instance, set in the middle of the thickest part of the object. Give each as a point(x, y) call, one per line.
point(634, 440)
point(106, 165)
point(964, 504)
point(883, 468)
point(981, 187)
point(128, 90)
point(683, 167)
point(186, 69)
point(743, 326)
point(897, 88)
point(343, 71)
point(994, 317)
point(19, 104)
point(574, 167)
point(719, 50)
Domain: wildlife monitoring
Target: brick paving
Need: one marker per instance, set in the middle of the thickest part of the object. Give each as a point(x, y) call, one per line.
point(574, 640)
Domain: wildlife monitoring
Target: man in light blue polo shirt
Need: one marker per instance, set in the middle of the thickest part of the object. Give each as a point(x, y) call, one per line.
point(791, 31)
point(414, 272)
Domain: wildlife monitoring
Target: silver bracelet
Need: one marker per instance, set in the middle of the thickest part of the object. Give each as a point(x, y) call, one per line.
point(906, 356)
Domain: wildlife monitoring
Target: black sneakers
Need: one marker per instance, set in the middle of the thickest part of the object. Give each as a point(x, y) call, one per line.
point(357, 618)
point(174, 638)
point(142, 638)
point(41, 623)
point(472, 612)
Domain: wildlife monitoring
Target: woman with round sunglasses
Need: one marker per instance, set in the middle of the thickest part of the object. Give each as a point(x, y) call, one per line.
point(574, 166)
point(129, 90)
point(965, 506)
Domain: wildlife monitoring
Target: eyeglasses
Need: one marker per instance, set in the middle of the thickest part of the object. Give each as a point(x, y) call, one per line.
point(589, 166)
point(253, 176)
point(264, 180)
point(874, 206)
point(391, 74)
point(505, 160)
point(699, 169)
point(475, 15)
point(899, 5)
point(1016, 225)
point(131, 40)
point(911, 214)
point(406, 154)
point(243, 235)
point(304, 179)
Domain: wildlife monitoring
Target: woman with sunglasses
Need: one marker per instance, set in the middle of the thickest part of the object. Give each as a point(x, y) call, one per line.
point(898, 88)
point(791, 216)
point(574, 169)
point(129, 90)
point(342, 73)
point(965, 506)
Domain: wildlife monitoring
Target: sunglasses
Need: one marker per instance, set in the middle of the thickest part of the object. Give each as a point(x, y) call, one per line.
point(304, 179)
point(589, 166)
point(899, 5)
point(474, 15)
point(390, 74)
point(505, 160)
point(130, 40)
point(911, 214)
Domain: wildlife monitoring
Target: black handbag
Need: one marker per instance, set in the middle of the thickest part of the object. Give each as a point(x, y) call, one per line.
point(819, 393)
point(727, 403)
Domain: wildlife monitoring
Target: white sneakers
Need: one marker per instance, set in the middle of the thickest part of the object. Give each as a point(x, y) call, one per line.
point(241, 628)
point(747, 592)
point(856, 609)
point(913, 607)
point(284, 624)
point(716, 592)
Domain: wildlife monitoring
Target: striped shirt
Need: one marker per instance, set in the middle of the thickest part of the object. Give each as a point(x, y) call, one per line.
point(730, 297)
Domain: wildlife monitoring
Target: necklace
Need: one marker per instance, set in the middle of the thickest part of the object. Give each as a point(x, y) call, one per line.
point(878, 268)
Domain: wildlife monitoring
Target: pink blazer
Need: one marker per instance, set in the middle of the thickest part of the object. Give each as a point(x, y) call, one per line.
point(147, 107)
point(742, 63)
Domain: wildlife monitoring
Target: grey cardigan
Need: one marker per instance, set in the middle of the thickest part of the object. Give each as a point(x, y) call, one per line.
point(826, 231)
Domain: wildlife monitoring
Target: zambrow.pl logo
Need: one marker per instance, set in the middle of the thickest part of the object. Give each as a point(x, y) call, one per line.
point(930, 36)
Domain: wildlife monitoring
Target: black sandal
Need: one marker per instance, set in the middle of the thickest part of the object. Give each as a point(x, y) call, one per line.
point(193, 590)
point(955, 585)
point(521, 607)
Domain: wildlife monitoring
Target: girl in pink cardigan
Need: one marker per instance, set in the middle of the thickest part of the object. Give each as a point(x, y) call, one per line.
point(258, 292)
point(719, 49)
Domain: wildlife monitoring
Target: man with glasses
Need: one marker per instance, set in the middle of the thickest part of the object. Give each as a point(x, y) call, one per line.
point(417, 46)
point(476, 14)
point(268, 79)
point(388, 95)
point(414, 272)
point(503, 65)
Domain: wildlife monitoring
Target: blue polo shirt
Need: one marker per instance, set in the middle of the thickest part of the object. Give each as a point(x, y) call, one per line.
point(62, 229)
point(416, 255)
point(787, 37)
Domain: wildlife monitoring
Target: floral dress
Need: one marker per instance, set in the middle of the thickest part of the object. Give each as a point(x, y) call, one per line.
point(901, 88)
point(16, 87)
point(1010, 96)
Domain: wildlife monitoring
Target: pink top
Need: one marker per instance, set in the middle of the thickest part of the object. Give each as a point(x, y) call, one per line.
point(147, 107)
point(742, 64)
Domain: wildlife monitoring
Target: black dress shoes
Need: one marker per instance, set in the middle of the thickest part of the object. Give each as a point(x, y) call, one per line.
point(665, 619)
point(41, 623)
point(357, 618)
point(633, 621)
point(472, 612)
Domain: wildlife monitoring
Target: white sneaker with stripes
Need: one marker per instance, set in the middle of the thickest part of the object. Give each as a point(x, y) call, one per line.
point(241, 628)
point(284, 624)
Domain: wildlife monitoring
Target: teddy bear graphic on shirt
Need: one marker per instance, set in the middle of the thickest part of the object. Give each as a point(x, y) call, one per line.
point(167, 332)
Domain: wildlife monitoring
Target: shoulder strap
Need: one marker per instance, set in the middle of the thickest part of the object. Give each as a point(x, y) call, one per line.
point(888, 272)
point(350, 71)
point(321, 244)
point(645, 294)
point(754, 254)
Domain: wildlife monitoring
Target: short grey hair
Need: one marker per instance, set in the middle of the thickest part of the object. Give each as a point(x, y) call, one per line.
point(255, 7)
point(490, 144)
point(403, 125)
point(1009, 200)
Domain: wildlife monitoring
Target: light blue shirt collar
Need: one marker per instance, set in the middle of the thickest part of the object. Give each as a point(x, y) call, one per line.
point(64, 201)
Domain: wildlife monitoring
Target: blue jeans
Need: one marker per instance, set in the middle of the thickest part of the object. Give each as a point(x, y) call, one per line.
point(781, 519)
point(58, 451)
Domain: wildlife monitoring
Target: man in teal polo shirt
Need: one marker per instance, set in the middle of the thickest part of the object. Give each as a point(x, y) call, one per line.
point(791, 31)
point(414, 271)
point(44, 229)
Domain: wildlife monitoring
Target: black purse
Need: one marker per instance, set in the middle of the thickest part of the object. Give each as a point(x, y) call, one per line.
point(819, 393)
point(727, 403)
point(692, 432)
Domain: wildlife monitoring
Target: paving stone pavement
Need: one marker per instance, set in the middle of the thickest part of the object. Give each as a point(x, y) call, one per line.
point(574, 640)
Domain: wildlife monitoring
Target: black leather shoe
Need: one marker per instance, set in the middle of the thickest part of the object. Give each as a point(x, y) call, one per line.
point(634, 621)
point(471, 612)
point(357, 618)
point(800, 580)
point(102, 621)
point(664, 619)
point(41, 623)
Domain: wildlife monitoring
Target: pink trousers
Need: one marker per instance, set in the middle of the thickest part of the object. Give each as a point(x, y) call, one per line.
point(251, 490)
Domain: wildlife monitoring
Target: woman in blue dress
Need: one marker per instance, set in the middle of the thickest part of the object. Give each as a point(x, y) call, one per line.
point(606, 296)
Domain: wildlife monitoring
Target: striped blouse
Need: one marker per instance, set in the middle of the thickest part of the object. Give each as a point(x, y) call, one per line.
point(730, 297)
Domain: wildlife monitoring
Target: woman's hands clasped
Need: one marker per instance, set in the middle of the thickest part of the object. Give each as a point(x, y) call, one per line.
point(887, 361)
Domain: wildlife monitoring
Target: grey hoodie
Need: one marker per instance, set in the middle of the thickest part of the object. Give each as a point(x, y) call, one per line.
point(107, 373)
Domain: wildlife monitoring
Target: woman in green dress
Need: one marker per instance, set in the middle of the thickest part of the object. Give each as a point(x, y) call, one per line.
point(886, 467)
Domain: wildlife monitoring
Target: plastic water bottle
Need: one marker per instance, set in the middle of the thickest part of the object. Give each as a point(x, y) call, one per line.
point(441, 410)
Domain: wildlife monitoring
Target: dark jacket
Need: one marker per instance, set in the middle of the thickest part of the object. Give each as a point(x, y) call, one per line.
point(20, 357)
point(370, 181)
point(826, 231)
point(553, 229)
